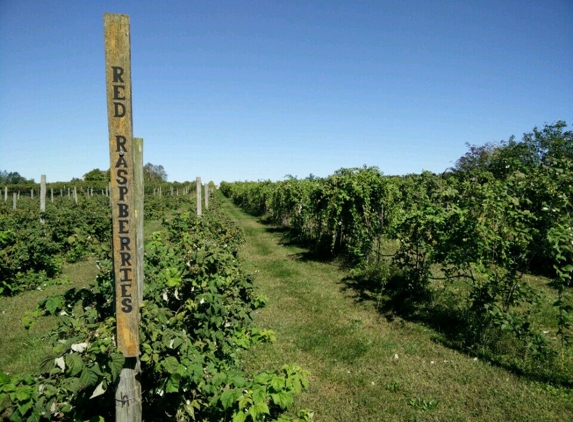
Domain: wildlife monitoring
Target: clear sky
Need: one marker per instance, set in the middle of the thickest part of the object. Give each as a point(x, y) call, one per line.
point(248, 90)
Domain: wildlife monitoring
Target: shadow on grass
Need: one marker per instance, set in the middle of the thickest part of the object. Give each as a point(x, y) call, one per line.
point(455, 326)
point(312, 252)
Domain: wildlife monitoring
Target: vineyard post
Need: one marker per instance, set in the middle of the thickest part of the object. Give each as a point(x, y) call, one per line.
point(206, 196)
point(75, 195)
point(52, 195)
point(14, 200)
point(5, 193)
point(121, 148)
point(32, 193)
point(69, 195)
point(42, 197)
point(198, 180)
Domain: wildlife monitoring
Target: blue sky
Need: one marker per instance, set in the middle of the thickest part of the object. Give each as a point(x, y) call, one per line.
point(248, 90)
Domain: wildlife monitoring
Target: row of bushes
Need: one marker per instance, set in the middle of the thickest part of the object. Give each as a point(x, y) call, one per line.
point(196, 318)
point(505, 210)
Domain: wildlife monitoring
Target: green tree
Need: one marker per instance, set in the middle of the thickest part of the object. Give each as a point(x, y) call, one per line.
point(154, 173)
point(11, 178)
point(96, 175)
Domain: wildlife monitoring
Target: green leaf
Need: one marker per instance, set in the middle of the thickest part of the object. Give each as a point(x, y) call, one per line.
point(53, 303)
point(228, 398)
point(74, 363)
point(278, 383)
point(259, 395)
point(23, 408)
point(34, 417)
point(262, 407)
point(240, 416)
point(282, 399)
point(171, 364)
point(24, 393)
point(173, 384)
point(116, 365)
point(88, 378)
point(72, 384)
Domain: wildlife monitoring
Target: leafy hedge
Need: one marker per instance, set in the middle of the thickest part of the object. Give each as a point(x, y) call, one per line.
point(32, 253)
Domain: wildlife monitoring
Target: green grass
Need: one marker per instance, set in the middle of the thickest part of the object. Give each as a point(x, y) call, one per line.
point(365, 367)
point(21, 350)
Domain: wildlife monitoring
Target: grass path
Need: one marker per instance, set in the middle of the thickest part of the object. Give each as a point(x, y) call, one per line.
point(363, 367)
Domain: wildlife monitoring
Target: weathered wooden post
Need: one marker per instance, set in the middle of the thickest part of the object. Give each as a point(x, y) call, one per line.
point(42, 197)
point(32, 193)
point(119, 112)
point(5, 193)
point(52, 195)
point(75, 195)
point(206, 196)
point(139, 198)
point(198, 180)
point(14, 200)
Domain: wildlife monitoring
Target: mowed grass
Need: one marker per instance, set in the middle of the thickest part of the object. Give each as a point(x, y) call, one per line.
point(21, 350)
point(364, 367)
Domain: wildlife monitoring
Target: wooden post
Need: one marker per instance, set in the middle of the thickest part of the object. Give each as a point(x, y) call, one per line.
point(69, 193)
point(42, 197)
point(198, 181)
point(52, 194)
point(75, 195)
point(139, 198)
point(14, 200)
point(5, 193)
point(121, 148)
point(32, 193)
point(206, 196)
point(171, 190)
